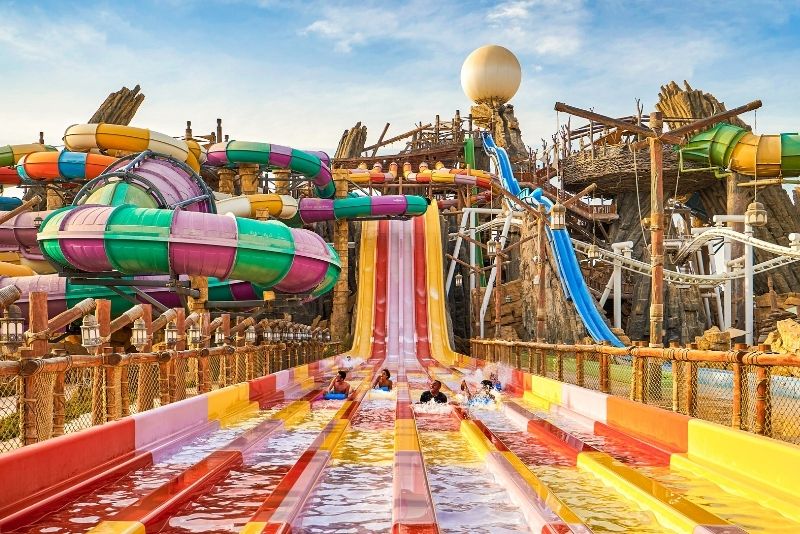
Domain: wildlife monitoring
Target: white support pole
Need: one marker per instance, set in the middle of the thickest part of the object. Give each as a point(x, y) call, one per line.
point(487, 295)
point(748, 286)
point(617, 294)
point(607, 291)
point(727, 305)
point(701, 270)
point(451, 271)
point(626, 249)
point(712, 269)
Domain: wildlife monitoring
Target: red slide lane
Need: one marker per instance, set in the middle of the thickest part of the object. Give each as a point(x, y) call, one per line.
point(421, 290)
point(381, 278)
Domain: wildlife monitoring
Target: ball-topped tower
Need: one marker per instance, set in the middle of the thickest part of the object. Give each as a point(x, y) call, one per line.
point(491, 75)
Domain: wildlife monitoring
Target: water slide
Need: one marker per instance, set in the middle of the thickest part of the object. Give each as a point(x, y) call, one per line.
point(569, 271)
point(442, 175)
point(137, 195)
point(734, 148)
point(123, 227)
point(553, 458)
point(312, 164)
point(296, 212)
point(64, 166)
point(117, 140)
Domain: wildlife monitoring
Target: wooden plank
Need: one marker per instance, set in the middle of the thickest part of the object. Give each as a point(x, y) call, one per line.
point(398, 137)
point(380, 139)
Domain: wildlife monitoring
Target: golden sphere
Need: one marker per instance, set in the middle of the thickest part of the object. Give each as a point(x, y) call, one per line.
point(491, 74)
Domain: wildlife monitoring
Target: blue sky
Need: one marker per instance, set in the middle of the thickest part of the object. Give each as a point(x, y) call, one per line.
point(299, 73)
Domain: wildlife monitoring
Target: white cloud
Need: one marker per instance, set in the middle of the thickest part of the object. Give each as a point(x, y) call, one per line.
point(374, 63)
point(542, 27)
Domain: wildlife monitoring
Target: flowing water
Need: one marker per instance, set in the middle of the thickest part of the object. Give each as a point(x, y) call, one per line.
point(90, 509)
point(581, 491)
point(741, 511)
point(235, 499)
point(466, 496)
point(355, 492)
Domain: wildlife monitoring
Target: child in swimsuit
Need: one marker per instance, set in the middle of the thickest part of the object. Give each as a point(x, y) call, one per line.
point(338, 384)
point(384, 381)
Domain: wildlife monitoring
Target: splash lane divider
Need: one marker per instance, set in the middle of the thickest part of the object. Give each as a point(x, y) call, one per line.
point(144, 450)
point(68, 490)
point(543, 510)
point(154, 510)
point(743, 464)
point(284, 504)
point(413, 510)
point(671, 509)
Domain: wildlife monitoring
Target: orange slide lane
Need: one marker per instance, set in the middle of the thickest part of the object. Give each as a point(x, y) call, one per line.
point(421, 290)
point(381, 278)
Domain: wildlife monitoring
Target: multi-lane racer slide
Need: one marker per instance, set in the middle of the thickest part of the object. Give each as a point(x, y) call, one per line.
point(561, 246)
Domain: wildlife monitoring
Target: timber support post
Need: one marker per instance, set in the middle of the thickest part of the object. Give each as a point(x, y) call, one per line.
point(148, 373)
point(656, 232)
point(179, 365)
point(102, 313)
point(340, 318)
point(541, 247)
point(35, 395)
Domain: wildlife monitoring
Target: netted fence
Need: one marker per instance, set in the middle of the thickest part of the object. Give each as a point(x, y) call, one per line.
point(61, 394)
point(10, 427)
point(750, 389)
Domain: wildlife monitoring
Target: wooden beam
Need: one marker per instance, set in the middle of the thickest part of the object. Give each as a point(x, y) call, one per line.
point(515, 200)
point(470, 240)
point(719, 117)
point(585, 191)
point(380, 139)
point(25, 206)
point(609, 121)
point(397, 137)
point(465, 264)
point(515, 244)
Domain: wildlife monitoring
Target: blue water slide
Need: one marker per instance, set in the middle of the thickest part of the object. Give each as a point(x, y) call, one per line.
point(569, 270)
point(503, 164)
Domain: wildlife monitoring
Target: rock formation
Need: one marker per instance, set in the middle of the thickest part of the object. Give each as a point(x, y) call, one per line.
point(505, 129)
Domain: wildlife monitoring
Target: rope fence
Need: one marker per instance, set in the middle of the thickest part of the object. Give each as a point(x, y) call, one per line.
point(59, 394)
point(749, 388)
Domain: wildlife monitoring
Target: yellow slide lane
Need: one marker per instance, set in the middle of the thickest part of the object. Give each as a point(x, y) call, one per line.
point(437, 314)
point(362, 335)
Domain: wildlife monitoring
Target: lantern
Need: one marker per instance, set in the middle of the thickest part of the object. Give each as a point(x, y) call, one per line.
point(508, 299)
point(195, 335)
point(37, 222)
point(139, 337)
point(90, 333)
point(459, 280)
point(326, 335)
point(268, 334)
point(171, 334)
point(756, 215)
point(593, 252)
point(492, 246)
point(558, 216)
point(250, 335)
point(219, 337)
point(11, 325)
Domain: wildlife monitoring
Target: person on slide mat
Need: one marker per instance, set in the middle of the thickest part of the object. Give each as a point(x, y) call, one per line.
point(434, 394)
point(338, 384)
